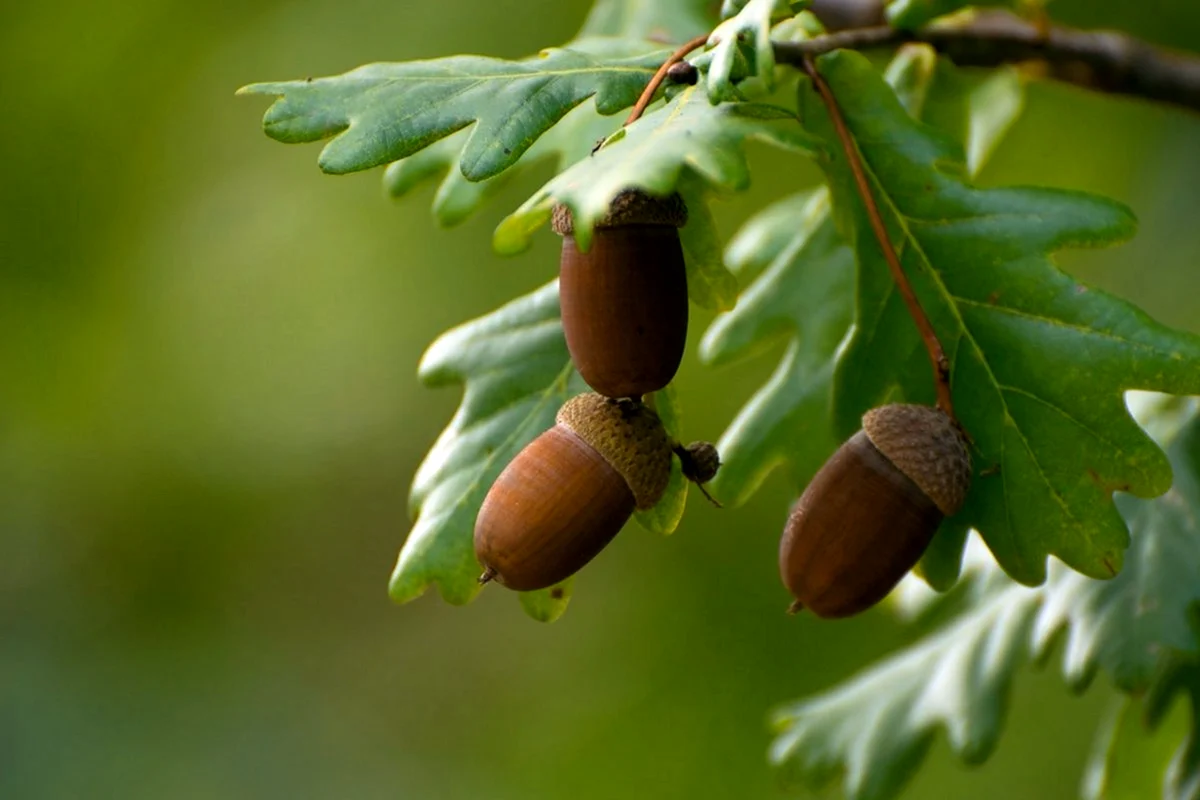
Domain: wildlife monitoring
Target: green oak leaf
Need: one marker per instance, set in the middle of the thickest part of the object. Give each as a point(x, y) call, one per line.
point(874, 729)
point(457, 198)
point(910, 14)
point(573, 137)
point(685, 145)
point(799, 277)
point(383, 112)
point(1039, 362)
point(516, 373)
point(804, 293)
point(749, 27)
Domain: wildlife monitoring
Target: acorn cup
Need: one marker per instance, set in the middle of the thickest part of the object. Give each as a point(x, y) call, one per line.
point(571, 490)
point(870, 512)
point(624, 302)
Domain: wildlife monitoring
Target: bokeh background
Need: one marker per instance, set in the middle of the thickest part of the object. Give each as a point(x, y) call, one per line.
point(209, 418)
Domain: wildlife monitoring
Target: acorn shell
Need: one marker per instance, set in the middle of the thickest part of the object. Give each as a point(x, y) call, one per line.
point(551, 511)
point(624, 302)
point(571, 490)
point(862, 522)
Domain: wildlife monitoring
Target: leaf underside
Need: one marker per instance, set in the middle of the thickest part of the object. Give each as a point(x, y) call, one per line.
point(516, 373)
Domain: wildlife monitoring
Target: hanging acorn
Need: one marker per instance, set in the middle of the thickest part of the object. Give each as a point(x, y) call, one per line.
point(869, 513)
point(624, 302)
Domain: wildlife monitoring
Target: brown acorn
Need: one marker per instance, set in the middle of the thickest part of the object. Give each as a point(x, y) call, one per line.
point(869, 513)
point(570, 491)
point(624, 302)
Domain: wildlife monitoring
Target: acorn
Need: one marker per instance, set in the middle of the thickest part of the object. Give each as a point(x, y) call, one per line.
point(624, 302)
point(570, 491)
point(869, 513)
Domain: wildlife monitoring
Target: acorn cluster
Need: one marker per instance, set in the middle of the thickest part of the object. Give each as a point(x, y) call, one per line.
point(624, 316)
point(864, 520)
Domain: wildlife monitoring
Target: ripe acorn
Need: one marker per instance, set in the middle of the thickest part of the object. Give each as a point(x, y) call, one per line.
point(869, 513)
point(624, 302)
point(570, 491)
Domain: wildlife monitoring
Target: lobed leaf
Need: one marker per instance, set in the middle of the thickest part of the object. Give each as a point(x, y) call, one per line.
point(516, 372)
point(457, 198)
point(384, 112)
point(573, 137)
point(686, 145)
point(1040, 363)
point(799, 277)
point(874, 729)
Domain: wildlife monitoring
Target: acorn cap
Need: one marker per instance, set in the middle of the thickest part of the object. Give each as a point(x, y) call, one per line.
point(927, 446)
point(629, 436)
point(630, 207)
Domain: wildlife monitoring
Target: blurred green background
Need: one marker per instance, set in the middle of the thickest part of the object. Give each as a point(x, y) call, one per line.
point(209, 418)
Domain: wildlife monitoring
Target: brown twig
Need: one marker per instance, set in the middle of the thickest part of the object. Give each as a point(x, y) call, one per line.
point(1100, 60)
point(937, 356)
point(656, 81)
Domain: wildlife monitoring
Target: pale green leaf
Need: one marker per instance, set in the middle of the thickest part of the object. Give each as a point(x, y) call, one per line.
point(457, 198)
point(516, 373)
point(383, 112)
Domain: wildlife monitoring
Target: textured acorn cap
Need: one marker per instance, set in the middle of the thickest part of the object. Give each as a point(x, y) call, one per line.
point(629, 436)
point(925, 445)
point(630, 207)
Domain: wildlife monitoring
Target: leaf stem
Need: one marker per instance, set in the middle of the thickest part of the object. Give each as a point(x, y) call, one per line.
point(937, 356)
point(656, 81)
